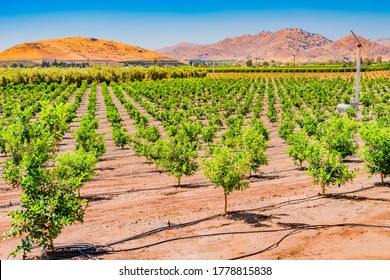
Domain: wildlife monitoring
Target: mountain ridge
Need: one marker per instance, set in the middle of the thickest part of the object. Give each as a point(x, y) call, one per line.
point(286, 45)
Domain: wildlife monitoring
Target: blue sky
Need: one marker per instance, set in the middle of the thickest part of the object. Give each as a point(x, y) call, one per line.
point(154, 24)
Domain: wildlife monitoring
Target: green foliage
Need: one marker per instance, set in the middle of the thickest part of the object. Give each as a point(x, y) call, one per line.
point(55, 120)
point(351, 113)
point(286, 128)
point(44, 212)
point(86, 135)
point(227, 168)
point(78, 165)
point(327, 167)
point(88, 139)
point(120, 137)
point(95, 74)
point(259, 125)
point(118, 131)
point(2, 144)
point(367, 98)
point(189, 131)
point(298, 147)
point(177, 156)
point(309, 124)
point(338, 135)
point(208, 133)
point(150, 133)
point(253, 144)
point(272, 115)
point(233, 131)
point(48, 201)
point(376, 149)
point(366, 115)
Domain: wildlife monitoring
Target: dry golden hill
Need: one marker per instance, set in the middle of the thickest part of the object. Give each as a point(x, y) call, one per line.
point(76, 48)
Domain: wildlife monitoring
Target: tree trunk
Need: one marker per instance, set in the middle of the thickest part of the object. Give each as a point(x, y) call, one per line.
point(323, 190)
point(226, 203)
point(51, 245)
point(300, 164)
point(178, 181)
point(382, 178)
point(78, 191)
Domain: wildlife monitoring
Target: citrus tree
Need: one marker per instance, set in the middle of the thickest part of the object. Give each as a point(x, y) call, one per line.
point(327, 167)
point(376, 149)
point(48, 200)
point(227, 169)
point(177, 156)
point(338, 134)
point(298, 147)
point(252, 143)
point(78, 165)
point(286, 128)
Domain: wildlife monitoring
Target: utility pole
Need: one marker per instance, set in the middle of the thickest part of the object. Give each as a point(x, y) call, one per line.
point(294, 55)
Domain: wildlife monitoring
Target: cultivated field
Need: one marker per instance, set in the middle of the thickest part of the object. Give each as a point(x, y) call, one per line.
point(143, 206)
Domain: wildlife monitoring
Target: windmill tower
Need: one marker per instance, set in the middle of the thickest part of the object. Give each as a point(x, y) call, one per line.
point(354, 104)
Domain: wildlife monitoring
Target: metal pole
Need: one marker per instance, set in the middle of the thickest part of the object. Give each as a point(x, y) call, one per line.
point(357, 74)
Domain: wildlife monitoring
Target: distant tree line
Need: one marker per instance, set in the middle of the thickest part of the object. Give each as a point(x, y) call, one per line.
point(63, 64)
point(96, 74)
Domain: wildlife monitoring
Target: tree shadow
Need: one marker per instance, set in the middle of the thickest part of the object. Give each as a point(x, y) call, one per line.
point(192, 186)
point(262, 177)
point(81, 251)
point(105, 168)
point(92, 198)
point(10, 204)
point(255, 220)
point(384, 184)
point(352, 160)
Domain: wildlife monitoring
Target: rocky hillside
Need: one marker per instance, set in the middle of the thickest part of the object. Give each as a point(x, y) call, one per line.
point(282, 45)
point(384, 42)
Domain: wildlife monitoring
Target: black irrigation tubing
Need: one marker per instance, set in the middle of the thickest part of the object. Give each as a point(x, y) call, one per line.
point(169, 227)
point(301, 228)
point(199, 236)
point(85, 248)
point(88, 249)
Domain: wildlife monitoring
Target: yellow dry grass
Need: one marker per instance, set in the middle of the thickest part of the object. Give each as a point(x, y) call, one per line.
point(76, 48)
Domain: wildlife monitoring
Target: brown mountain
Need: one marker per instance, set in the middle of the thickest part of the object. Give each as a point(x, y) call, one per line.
point(282, 45)
point(384, 42)
point(75, 48)
point(345, 49)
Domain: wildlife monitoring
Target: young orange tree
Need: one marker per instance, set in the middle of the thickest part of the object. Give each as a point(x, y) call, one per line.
point(376, 149)
point(48, 199)
point(227, 169)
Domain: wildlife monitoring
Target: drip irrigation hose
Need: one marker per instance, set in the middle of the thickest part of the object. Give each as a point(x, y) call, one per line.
point(88, 249)
point(301, 228)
